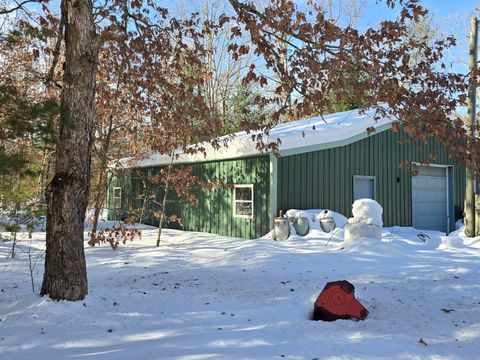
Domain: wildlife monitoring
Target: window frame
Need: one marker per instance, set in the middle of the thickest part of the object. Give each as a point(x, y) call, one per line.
point(116, 199)
point(364, 177)
point(235, 201)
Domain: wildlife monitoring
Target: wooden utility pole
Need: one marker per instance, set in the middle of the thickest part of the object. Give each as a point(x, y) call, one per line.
point(472, 94)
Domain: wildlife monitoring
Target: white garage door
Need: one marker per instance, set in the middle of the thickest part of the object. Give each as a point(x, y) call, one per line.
point(429, 202)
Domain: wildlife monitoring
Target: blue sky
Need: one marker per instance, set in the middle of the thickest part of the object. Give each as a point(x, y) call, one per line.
point(445, 12)
point(450, 17)
point(446, 7)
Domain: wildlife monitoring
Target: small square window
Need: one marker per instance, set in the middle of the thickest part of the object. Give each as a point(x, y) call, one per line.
point(117, 197)
point(364, 187)
point(243, 201)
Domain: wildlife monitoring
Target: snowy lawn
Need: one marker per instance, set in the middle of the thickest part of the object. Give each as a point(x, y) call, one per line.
point(202, 296)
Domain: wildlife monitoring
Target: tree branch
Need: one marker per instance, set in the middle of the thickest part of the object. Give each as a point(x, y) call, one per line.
point(4, 11)
point(248, 8)
point(56, 51)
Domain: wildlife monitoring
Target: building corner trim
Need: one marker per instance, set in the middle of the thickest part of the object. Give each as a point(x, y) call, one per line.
point(273, 188)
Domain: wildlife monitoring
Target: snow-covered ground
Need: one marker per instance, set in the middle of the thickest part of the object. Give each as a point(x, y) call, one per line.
point(201, 296)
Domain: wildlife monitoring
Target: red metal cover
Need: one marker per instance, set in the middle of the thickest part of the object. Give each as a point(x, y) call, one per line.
point(337, 301)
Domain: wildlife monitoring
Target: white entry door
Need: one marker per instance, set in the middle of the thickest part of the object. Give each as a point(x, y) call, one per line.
point(430, 198)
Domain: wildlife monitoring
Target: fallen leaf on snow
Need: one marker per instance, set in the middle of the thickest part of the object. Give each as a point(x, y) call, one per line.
point(447, 310)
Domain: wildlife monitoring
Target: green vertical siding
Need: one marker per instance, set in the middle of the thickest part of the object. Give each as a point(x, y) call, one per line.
point(324, 178)
point(214, 212)
point(315, 179)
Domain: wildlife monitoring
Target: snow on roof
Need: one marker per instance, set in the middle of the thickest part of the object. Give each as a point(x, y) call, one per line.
point(296, 137)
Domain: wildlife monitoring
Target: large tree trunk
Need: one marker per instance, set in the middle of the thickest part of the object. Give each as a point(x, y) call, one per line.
point(65, 274)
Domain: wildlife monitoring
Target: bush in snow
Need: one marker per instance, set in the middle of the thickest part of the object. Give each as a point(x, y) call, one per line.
point(366, 222)
point(367, 211)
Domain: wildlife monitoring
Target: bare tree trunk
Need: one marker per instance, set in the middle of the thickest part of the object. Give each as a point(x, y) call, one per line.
point(99, 198)
point(164, 205)
point(65, 276)
point(15, 227)
point(472, 95)
point(146, 190)
point(104, 179)
point(165, 196)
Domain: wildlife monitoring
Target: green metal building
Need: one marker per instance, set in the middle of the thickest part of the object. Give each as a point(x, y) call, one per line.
point(324, 163)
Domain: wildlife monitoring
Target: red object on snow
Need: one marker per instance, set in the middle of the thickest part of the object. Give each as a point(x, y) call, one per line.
point(337, 301)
